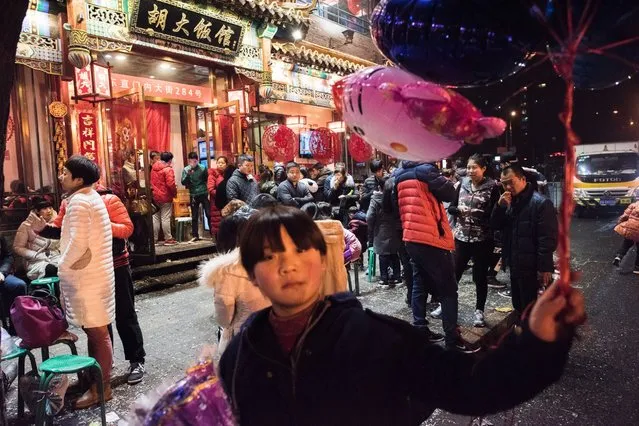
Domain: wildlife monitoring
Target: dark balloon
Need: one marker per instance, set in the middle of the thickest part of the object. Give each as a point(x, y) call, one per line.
point(458, 43)
point(614, 21)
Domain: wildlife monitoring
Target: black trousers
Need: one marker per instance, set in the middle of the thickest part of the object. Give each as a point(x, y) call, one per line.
point(627, 245)
point(195, 210)
point(386, 262)
point(407, 271)
point(524, 291)
point(481, 253)
point(126, 320)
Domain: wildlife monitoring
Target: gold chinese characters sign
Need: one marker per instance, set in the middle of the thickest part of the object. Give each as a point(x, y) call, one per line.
point(185, 23)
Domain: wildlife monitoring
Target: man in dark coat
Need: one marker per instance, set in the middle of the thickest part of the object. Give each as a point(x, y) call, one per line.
point(292, 192)
point(242, 185)
point(374, 182)
point(529, 231)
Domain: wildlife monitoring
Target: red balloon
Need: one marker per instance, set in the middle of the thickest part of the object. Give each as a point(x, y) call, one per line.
point(279, 143)
point(325, 144)
point(355, 6)
point(360, 149)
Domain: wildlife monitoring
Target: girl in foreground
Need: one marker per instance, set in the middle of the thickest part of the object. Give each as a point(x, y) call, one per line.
point(329, 361)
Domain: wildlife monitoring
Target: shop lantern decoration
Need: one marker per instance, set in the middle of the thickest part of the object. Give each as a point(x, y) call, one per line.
point(336, 126)
point(242, 96)
point(279, 143)
point(59, 110)
point(359, 149)
point(296, 120)
point(325, 144)
point(93, 83)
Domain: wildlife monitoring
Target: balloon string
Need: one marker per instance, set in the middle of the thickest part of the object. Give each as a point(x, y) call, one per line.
point(567, 202)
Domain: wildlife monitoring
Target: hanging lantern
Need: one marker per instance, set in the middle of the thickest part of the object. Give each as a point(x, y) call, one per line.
point(92, 83)
point(359, 149)
point(325, 145)
point(279, 143)
point(355, 6)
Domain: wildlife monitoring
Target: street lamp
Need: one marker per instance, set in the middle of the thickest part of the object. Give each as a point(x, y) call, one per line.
point(513, 114)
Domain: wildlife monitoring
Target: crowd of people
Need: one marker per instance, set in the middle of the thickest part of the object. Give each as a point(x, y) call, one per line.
point(284, 240)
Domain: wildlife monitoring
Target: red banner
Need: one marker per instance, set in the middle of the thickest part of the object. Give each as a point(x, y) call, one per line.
point(162, 89)
point(88, 135)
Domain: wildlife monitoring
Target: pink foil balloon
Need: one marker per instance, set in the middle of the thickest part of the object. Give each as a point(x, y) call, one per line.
point(411, 119)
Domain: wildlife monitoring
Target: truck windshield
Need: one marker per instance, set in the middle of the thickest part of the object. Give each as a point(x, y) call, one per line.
point(607, 164)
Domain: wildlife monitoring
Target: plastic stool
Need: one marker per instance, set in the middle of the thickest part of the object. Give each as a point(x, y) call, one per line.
point(372, 270)
point(48, 282)
point(21, 354)
point(67, 364)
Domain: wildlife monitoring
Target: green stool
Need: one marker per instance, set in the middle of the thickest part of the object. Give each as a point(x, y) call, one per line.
point(48, 282)
point(372, 270)
point(67, 364)
point(21, 354)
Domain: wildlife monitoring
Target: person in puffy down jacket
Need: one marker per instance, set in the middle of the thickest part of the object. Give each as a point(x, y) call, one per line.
point(164, 191)
point(628, 228)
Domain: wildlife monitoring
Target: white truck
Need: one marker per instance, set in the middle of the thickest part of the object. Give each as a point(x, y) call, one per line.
point(606, 176)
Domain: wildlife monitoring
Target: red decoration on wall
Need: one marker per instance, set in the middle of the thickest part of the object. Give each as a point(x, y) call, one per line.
point(88, 136)
point(355, 6)
point(338, 90)
point(158, 126)
point(280, 143)
point(325, 145)
point(359, 149)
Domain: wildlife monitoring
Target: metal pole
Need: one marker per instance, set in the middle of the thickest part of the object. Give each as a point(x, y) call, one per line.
point(259, 124)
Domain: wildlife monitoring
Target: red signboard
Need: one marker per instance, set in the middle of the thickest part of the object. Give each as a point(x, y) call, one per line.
point(88, 135)
point(162, 89)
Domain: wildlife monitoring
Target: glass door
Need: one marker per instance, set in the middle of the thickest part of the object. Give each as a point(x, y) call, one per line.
point(127, 170)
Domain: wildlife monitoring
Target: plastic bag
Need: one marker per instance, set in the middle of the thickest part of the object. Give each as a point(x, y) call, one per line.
point(8, 344)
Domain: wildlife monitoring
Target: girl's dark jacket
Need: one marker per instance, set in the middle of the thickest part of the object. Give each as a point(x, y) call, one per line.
point(354, 367)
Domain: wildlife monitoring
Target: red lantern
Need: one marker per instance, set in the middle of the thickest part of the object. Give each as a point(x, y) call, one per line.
point(338, 90)
point(279, 143)
point(325, 145)
point(360, 149)
point(355, 6)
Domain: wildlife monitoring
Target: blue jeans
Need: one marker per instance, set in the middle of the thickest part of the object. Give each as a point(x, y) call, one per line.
point(434, 266)
point(11, 288)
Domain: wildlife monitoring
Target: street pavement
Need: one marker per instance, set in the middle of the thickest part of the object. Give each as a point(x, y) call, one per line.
point(600, 384)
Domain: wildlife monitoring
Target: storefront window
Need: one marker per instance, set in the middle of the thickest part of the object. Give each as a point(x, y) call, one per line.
point(29, 168)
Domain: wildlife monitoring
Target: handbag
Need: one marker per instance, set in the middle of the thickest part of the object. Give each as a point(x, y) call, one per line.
point(38, 321)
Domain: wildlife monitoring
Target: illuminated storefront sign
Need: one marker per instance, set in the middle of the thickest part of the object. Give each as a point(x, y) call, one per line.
point(205, 28)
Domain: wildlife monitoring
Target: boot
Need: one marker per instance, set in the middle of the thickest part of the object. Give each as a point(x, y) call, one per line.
point(92, 397)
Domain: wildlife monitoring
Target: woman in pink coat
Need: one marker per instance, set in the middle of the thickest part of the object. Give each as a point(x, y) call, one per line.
point(628, 228)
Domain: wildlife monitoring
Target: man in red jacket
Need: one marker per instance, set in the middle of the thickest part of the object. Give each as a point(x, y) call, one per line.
point(126, 320)
point(164, 191)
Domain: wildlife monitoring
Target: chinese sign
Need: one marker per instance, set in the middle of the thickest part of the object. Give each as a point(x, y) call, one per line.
point(83, 80)
point(185, 23)
point(88, 135)
point(162, 89)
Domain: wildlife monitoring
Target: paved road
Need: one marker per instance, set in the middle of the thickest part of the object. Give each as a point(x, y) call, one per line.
point(600, 385)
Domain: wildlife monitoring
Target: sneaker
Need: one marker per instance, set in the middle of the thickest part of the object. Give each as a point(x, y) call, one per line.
point(437, 313)
point(195, 239)
point(170, 242)
point(505, 293)
point(616, 261)
point(635, 270)
point(431, 335)
point(462, 346)
point(383, 283)
point(493, 283)
point(136, 373)
point(479, 319)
